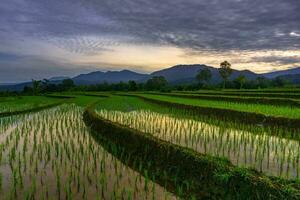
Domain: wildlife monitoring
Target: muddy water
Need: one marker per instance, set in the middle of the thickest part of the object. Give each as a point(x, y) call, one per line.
point(269, 154)
point(50, 155)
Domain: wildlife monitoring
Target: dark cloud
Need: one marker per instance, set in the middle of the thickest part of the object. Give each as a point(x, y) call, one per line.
point(92, 26)
point(195, 24)
point(277, 60)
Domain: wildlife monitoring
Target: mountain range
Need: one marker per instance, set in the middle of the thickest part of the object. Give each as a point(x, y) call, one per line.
point(110, 77)
point(284, 73)
point(175, 75)
point(186, 73)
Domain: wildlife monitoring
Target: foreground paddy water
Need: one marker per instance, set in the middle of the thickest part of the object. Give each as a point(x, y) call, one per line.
point(269, 154)
point(51, 154)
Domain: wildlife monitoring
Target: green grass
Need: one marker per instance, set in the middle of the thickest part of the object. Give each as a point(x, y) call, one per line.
point(128, 103)
point(26, 102)
point(267, 90)
point(79, 99)
point(9, 98)
point(273, 94)
point(84, 100)
point(23, 103)
point(237, 99)
point(277, 111)
point(125, 104)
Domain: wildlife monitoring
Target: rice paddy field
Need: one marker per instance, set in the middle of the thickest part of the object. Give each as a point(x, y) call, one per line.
point(63, 152)
point(20, 103)
point(271, 110)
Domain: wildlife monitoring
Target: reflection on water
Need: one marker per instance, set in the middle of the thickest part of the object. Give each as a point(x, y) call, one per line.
point(269, 154)
point(50, 154)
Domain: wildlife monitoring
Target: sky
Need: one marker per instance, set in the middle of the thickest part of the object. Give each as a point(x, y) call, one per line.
point(46, 38)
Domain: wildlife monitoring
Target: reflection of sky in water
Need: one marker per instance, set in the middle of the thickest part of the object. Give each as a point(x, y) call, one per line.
point(56, 145)
point(269, 154)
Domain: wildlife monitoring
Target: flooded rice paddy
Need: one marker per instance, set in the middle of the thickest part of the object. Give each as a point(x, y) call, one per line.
point(51, 155)
point(269, 154)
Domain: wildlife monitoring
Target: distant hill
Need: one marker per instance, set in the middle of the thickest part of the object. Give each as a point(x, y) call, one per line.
point(20, 86)
point(59, 78)
point(14, 87)
point(178, 74)
point(187, 73)
point(275, 74)
point(109, 77)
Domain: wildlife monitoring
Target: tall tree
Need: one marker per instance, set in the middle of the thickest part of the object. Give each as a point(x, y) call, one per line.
point(279, 82)
point(132, 85)
point(36, 87)
point(156, 83)
point(204, 76)
point(67, 84)
point(263, 82)
point(241, 79)
point(225, 71)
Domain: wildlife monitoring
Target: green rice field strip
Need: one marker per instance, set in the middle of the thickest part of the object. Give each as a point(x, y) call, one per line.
point(9, 98)
point(190, 173)
point(274, 156)
point(246, 113)
point(248, 94)
point(28, 104)
point(25, 102)
point(132, 103)
point(268, 110)
point(249, 100)
point(274, 90)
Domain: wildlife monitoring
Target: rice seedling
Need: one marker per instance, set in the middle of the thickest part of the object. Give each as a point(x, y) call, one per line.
point(26, 103)
point(182, 170)
point(278, 111)
point(270, 154)
point(238, 99)
point(131, 103)
point(50, 154)
point(292, 94)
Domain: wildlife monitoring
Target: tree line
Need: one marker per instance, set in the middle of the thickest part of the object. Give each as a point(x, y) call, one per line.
point(204, 77)
point(203, 80)
point(45, 86)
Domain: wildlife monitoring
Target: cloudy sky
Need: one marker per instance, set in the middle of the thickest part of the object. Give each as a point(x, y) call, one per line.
point(45, 38)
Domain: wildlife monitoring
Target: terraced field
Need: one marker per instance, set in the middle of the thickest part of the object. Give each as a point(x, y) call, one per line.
point(271, 110)
point(151, 146)
point(21, 103)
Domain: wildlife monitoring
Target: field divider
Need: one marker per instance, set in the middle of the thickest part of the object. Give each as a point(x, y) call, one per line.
point(183, 171)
